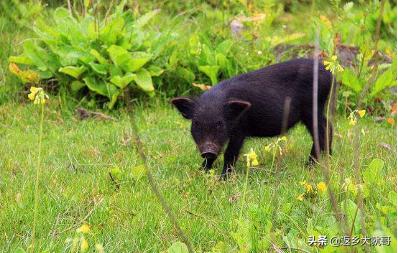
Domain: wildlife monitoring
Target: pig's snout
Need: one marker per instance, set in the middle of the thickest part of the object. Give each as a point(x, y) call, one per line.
point(209, 150)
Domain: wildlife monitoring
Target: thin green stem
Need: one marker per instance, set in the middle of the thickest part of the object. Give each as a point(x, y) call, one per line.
point(36, 203)
point(244, 191)
point(273, 160)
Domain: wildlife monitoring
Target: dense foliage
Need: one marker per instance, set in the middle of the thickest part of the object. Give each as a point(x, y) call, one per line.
point(78, 185)
point(107, 54)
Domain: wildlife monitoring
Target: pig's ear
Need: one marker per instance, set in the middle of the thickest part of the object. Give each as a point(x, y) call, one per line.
point(233, 109)
point(185, 105)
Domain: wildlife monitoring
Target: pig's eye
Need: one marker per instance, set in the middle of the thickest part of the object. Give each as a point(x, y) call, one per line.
point(219, 124)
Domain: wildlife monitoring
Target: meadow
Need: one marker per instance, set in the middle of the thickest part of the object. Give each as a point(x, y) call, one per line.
point(70, 183)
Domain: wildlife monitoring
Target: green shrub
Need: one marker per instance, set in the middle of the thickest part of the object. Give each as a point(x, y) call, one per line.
point(104, 56)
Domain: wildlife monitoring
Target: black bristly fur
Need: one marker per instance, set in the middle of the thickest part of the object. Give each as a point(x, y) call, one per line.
point(252, 105)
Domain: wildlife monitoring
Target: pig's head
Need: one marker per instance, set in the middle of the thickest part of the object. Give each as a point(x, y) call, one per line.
point(211, 122)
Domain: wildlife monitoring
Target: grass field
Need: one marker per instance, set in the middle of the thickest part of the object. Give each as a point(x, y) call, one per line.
point(93, 192)
point(124, 215)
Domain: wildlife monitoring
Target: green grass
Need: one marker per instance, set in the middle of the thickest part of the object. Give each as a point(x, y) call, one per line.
point(75, 186)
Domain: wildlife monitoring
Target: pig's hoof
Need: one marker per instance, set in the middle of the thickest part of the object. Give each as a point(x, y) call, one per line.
point(224, 177)
point(226, 174)
point(205, 169)
point(311, 162)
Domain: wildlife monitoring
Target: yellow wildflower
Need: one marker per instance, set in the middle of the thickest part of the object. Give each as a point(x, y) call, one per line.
point(300, 197)
point(83, 245)
point(349, 186)
point(267, 148)
point(308, 187)
point(99, 248)
point(321, 186)
point(37, 95)
point(326, 21)
point(390, 121)
point(333, 65)
point(352, 118)
point(283, 138)
point(83, 229)
point(251, 158)
point(361, 113)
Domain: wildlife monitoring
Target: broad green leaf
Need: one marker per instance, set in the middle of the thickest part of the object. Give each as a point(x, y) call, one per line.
point(68, 27)
point(129, 62)
point(155, 70)
point(137, 60)
point(224, 47)
point(100, 87)
point(98, 56)
point(207, 56)
point(61, 13)
point(173, 59)
point(19, 250)
point(69, 55)
point(45, 74)
point(143, 20)
point(353, 213)
point(123, 81)
point(385, 80)
point(35, 54)
point(138, 172)
point(113, 99)
point(115, 70)
point(350, 80)
point(44, 31)
point(373, 173)
point(221, 60)
point(76, 85)
point(185, 74)
point(211, 72)
point(73, 71)
point(144, 80)
point(115, 173)
point(20, 59)
point(194, 45)
point(178, 247)
point(119, 56)
point(99, 68)
point(112, 30)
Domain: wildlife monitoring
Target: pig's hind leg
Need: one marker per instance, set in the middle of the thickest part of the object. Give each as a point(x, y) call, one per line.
point(325, 144)
point(231, 154)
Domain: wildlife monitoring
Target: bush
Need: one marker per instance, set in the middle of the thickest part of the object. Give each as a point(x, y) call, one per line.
point(104, 57)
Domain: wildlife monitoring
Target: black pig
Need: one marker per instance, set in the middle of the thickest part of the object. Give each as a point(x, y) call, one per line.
point(252, 105)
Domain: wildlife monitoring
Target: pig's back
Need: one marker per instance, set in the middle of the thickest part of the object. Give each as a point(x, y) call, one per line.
point(267, 90)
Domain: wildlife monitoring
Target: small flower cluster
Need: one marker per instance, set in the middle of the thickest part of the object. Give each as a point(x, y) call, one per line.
point(311, 191)
point(351, 187)
point(353, 117)
point(80, 241)
point(332, 64)
point(276, 146)
point(251, 159)
point(38, 96)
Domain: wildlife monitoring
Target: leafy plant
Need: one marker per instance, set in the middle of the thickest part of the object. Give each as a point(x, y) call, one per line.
point(106, 57)
point(200, 57)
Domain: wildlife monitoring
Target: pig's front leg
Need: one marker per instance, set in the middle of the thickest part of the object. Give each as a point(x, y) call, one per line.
point(231, 154)
point(207, 163)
